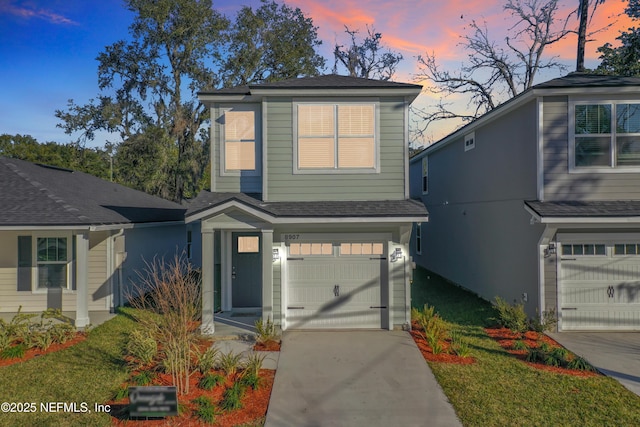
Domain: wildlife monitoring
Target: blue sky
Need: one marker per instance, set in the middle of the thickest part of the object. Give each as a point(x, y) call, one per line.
point(48, 47)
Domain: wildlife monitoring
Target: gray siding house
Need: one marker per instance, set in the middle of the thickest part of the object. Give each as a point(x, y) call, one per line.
point(74, 242)
point(308, 219)
point(538, 201)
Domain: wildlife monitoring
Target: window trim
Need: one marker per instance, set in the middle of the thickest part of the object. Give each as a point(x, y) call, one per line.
point(337, 102)
point(612, 168)
point(419, 238)
point(70, 261)
point(222, 109)
point(425, 175)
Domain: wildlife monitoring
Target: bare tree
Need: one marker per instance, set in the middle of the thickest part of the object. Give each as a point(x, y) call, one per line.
point(585, 17)
point(495, 71)
point(366, 58)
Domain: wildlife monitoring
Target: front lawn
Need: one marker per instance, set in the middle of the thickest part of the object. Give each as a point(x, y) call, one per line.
point(88, 372)
point(499, 389)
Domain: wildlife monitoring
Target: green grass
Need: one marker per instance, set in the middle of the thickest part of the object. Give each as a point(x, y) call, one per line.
point(87, 372)
point(500, 390)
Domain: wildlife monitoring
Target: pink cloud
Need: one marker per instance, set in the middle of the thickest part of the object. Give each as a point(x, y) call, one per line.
point(28, 13)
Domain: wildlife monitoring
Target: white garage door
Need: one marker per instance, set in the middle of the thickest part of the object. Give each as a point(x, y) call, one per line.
point(600, 286)
point(335, 285)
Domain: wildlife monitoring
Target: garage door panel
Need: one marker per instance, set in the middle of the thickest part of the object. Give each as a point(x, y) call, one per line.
point(600, 292)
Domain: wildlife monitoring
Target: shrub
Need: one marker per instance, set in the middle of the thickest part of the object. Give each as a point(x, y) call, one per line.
point(265, 331)
point(143, 378)
point(14, 352)
point(121, 393)
point(232, 397)
point(580, 364)
point(62, 332)
point(229, 362)
point(461, 349)
point(5, 340)
point(207, 360)
point(205, 409)
point(142, 347)
point(18, 327)
point(209, 381)
point(520, 345)
point(511, 316)
point(253, 363)
point(41, 339)
point(545, 322)
point(536, 355)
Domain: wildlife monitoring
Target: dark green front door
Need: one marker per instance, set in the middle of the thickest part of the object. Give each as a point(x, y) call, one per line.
point(246, 270)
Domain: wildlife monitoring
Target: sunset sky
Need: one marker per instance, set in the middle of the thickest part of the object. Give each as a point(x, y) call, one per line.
point(48, 47)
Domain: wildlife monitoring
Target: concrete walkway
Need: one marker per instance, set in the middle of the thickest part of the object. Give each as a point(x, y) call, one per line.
point(355, 378)
point(615, 354)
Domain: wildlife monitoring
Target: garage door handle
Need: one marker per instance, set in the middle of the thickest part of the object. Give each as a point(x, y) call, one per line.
point(568, 259)
point(295, 308)
point(378, 306)
point(569, 308)
point(295, 259)
point(377, 258)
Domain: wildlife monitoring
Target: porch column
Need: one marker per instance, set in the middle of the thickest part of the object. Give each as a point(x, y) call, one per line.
point(82, 280)
point(267, 274)
point(207, 326)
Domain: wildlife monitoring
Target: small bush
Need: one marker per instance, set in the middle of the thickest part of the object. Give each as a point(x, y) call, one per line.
point(229, 362)
point(520, 345)
point(209, 381)
point(545, 322)
point(250, 379)
point(205, 409)
point(232, 397)
point(14, 352)
point(265, 331)
point(143, 378)
point(253, 363)
point(18, 327)
point(62, 332)
point(536, 355)
point(142, 347)
point(207, 360)
point(5, 341)
point(580, 364)
point(121, 393)
point(511, 316)
point(461, 349)
point(41, 339)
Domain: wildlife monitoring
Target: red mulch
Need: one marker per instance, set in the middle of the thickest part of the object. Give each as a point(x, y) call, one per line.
point(255, 403)
point(36, 352)
point(267, 346)
point(505, 337)
point(446, 356)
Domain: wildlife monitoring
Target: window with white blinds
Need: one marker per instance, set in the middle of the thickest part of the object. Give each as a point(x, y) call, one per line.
point(336, 136)
point(239, 140)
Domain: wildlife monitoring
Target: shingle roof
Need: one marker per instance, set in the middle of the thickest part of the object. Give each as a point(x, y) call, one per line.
point(327, 209)
point(588, 80)
point(328, 81)
point(32, 194)
point(589, 209)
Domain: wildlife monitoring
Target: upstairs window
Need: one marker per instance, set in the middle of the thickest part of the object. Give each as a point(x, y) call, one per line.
point(605, 136)
point(425, 174)
point(336, 137)
point(240, 141)
point(470, 141)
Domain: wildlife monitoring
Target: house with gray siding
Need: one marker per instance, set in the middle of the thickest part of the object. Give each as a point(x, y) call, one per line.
point(538, 201)
point(308, 219)
point(74, 242)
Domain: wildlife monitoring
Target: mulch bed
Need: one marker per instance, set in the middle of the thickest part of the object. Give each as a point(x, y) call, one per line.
point(505, 337)
point(267, 346)
point(255, 404)
point(37, 352)
point(445, 356)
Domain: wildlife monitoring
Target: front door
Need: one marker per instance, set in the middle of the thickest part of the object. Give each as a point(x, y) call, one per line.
point(246, 271)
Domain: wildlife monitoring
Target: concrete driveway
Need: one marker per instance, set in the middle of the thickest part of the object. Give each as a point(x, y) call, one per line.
point(615, 354)
point(355, 378)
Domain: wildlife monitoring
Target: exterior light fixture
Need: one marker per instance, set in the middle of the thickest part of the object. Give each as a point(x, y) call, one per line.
point(276, 255)
point(396, 254)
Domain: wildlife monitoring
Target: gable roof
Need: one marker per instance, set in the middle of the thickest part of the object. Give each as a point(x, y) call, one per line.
point(207, 201)
point(39, 195)
point(317, 85)
point(584, 209)
point(572, 83)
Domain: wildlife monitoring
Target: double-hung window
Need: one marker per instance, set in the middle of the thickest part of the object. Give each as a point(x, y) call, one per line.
point(240, 139)
point(336, 137)
point(606, 136)
point(53, 257)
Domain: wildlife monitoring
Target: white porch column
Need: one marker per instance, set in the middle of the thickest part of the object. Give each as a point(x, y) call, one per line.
point(207, 282)
point(82, 280)
point(267, 274)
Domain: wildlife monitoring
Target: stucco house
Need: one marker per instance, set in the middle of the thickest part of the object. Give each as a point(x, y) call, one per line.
point(538, 201)
point(74, 242)
point(308, 219)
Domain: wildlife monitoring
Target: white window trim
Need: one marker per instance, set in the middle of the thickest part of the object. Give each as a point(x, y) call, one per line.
point(258, 140)
point(425, 174)
point(35, 288)
point(418, 238)
point(337, 170)
point(612, 146)
point(470, 145)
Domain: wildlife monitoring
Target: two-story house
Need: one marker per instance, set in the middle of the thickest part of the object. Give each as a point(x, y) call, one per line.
point(308, 219)
point(538, 201)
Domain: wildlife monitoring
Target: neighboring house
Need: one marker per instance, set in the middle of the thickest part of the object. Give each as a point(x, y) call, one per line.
point(538, 201)
point(308, 219)
point(74, 242)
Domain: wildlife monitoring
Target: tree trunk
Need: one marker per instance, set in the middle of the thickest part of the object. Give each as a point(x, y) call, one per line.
point(582, 34)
